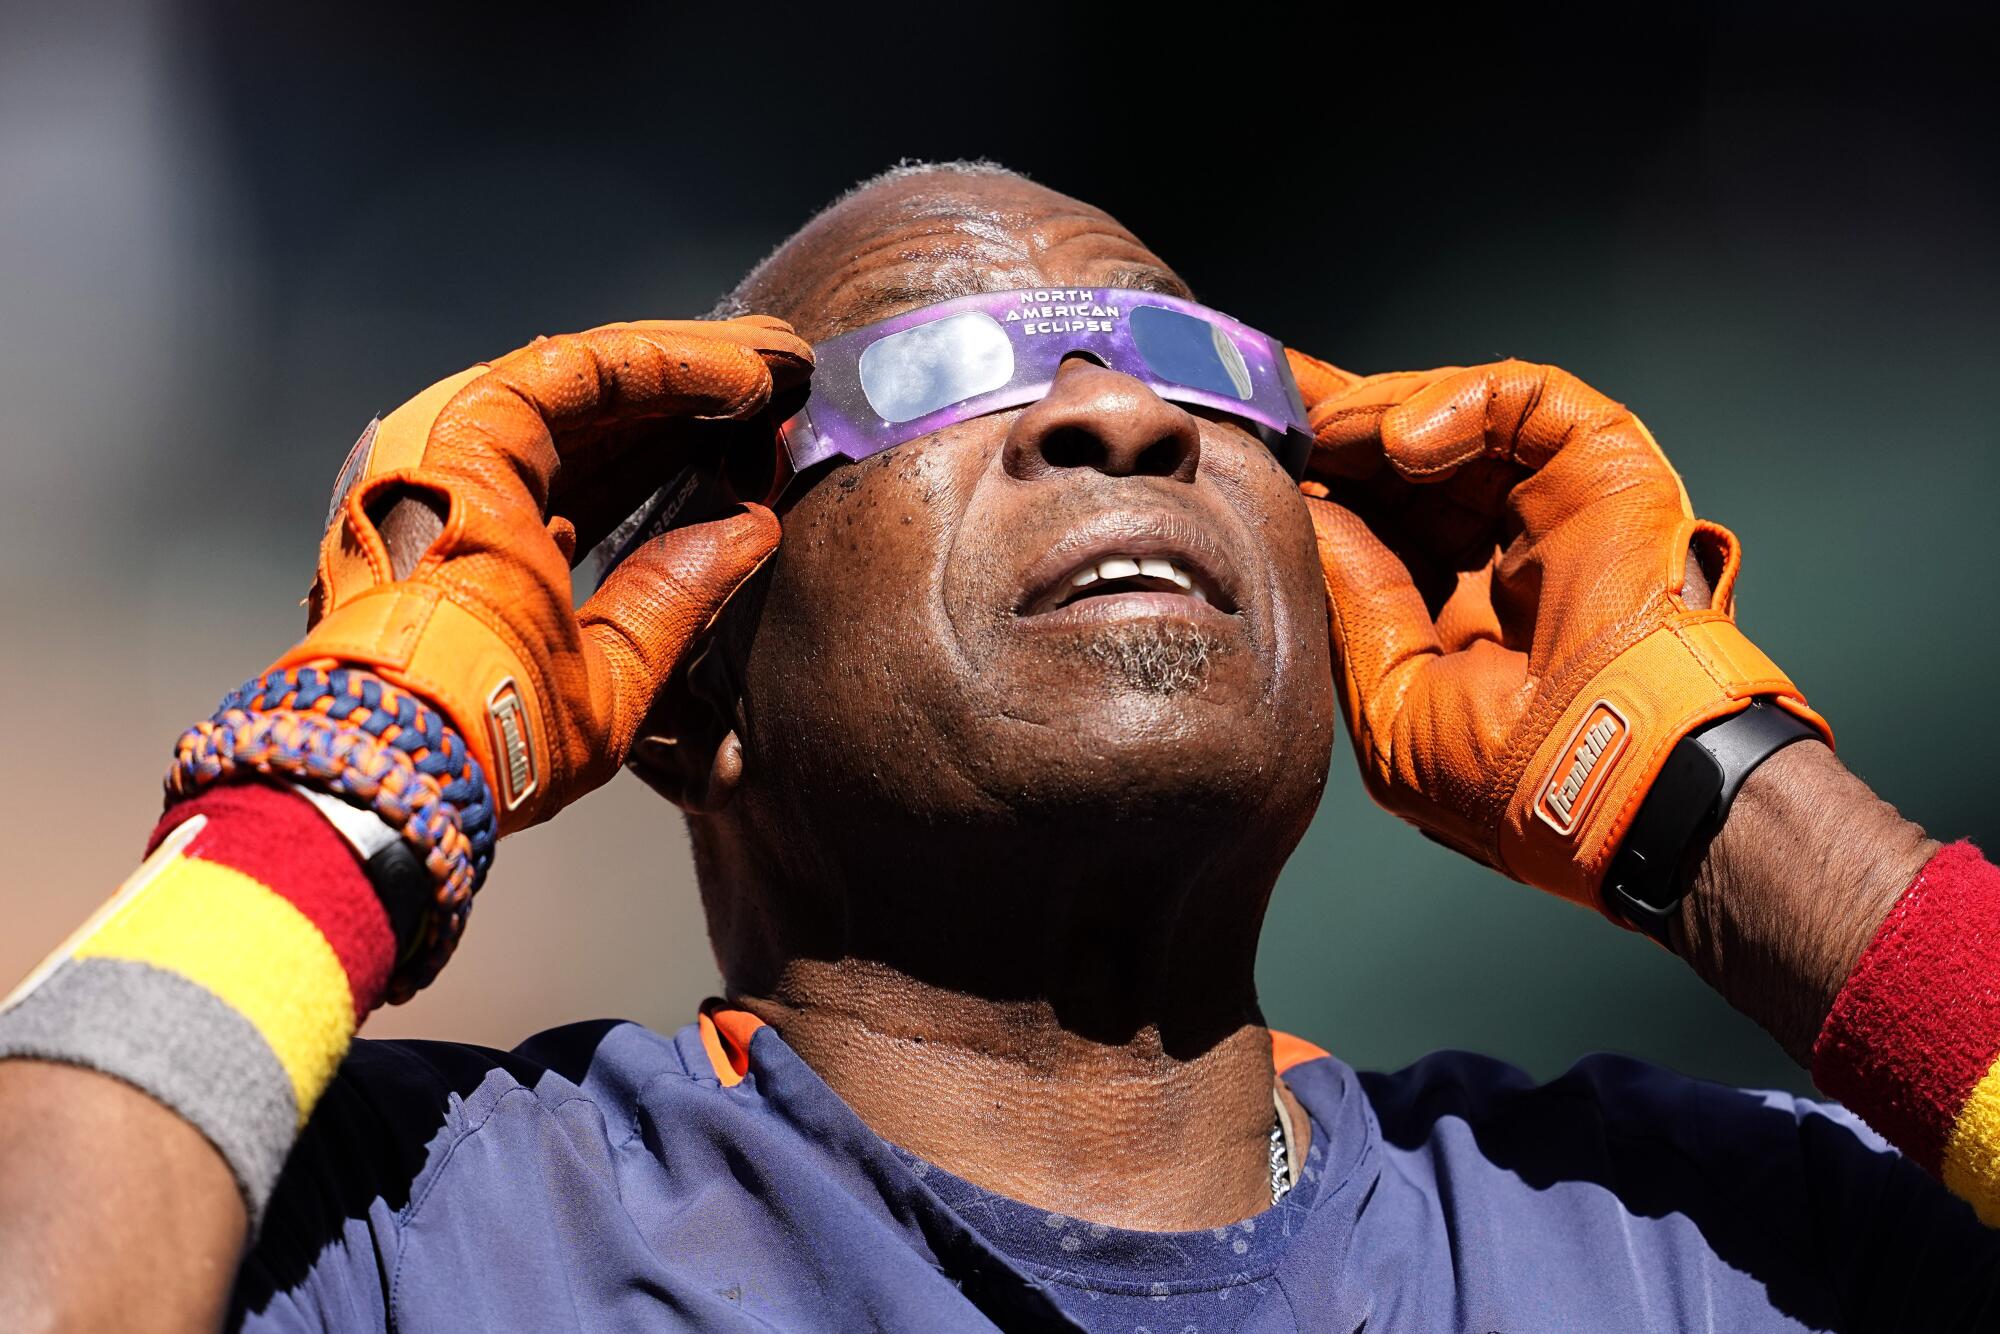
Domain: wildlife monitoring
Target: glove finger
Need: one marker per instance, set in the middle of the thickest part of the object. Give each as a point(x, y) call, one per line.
point(565, 401)
point(1347, 425)
point(1383, 635)
point(1516, 411)
point(1462, 417)
point(789, 357)
point(1318, 380)
point(639, 624)
point(1469, 614)
point(1588, 451)
point(576, 387)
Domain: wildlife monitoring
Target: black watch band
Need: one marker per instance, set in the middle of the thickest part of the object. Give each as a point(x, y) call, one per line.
point(1655, 865)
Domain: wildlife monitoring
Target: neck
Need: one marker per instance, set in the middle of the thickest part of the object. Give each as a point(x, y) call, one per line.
point(1126, 1133)
point(1090, 1049)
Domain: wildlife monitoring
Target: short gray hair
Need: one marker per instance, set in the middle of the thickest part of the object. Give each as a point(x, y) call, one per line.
point(737, 300)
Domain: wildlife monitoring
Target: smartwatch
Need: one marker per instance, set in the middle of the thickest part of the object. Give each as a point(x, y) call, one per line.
point(1655, 865)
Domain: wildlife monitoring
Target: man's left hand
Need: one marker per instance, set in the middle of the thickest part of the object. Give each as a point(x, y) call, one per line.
point(1518, 640)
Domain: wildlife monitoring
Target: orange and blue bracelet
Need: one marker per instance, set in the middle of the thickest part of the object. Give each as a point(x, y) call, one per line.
point(351, 734)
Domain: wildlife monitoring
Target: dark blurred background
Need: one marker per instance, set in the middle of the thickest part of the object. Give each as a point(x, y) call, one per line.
point(229, 235)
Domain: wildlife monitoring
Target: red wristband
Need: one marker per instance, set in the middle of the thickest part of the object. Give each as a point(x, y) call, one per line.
point(1910, 1042)
point(277, 838)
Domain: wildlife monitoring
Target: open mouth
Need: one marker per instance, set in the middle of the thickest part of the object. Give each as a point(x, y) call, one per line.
point(1144, 575)
point(1114, 575)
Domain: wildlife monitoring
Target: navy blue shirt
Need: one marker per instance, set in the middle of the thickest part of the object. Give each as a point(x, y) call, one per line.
point(603, 1176)
point(1109, 1278)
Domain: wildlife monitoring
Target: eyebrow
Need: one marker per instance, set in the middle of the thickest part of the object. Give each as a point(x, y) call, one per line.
point(880, 302)
point(1149, 278)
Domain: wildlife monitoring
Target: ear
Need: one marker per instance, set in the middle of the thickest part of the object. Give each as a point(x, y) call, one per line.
point(688, 750)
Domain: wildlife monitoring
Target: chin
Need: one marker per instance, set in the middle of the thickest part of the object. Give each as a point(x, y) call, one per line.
point(1153, 719)
point(1156, 753)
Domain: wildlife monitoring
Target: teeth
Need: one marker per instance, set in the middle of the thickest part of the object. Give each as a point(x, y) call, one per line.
point(1124, 567)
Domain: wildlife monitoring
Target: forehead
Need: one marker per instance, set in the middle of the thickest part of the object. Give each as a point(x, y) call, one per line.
point(932, 237)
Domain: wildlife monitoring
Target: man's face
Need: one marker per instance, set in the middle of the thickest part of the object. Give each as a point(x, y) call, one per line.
point(926, 656)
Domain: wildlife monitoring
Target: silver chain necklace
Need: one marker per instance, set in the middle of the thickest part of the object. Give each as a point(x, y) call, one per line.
point(1281, 1172)
point(1281, 1149)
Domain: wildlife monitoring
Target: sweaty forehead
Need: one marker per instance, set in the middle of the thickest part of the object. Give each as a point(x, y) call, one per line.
point(933, 237)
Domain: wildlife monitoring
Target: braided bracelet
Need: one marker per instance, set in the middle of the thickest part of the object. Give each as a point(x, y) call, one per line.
point(375, 746)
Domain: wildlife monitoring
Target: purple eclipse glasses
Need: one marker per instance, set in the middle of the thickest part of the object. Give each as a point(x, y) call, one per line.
point(923, 370)
point(876, 387)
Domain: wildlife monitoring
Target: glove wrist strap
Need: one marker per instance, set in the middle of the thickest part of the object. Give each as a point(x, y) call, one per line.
point(1654, 867)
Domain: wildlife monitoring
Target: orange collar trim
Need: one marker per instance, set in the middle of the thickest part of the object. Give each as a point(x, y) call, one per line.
point(726, 1034)
point(1288, 1051)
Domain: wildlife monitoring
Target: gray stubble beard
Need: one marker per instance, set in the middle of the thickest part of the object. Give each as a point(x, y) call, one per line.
point(1155, 658)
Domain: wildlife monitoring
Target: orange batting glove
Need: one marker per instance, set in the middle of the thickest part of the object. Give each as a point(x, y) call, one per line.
point(1506, 552)
point(515, 452)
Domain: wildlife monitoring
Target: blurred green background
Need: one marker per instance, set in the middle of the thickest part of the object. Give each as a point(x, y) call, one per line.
point(228, 237)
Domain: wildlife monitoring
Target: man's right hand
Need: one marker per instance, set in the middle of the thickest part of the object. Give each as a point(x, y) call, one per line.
point(512, 457)
point(120, 1206)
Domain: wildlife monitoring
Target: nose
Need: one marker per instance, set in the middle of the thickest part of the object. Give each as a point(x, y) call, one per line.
point(1094, 417)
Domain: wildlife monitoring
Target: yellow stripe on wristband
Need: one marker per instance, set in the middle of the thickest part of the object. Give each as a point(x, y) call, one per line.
point(1972, 1153)
point(226, 932)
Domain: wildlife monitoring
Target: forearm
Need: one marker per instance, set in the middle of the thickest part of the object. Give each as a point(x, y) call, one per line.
point(1792, 889)
point(166, 1057)
point(1870, 952)
point(115, 1213)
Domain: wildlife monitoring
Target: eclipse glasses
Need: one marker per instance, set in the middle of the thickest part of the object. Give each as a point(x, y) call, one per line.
point(876, 387)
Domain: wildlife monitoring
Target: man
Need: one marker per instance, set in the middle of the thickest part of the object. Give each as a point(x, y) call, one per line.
point(984, 856)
